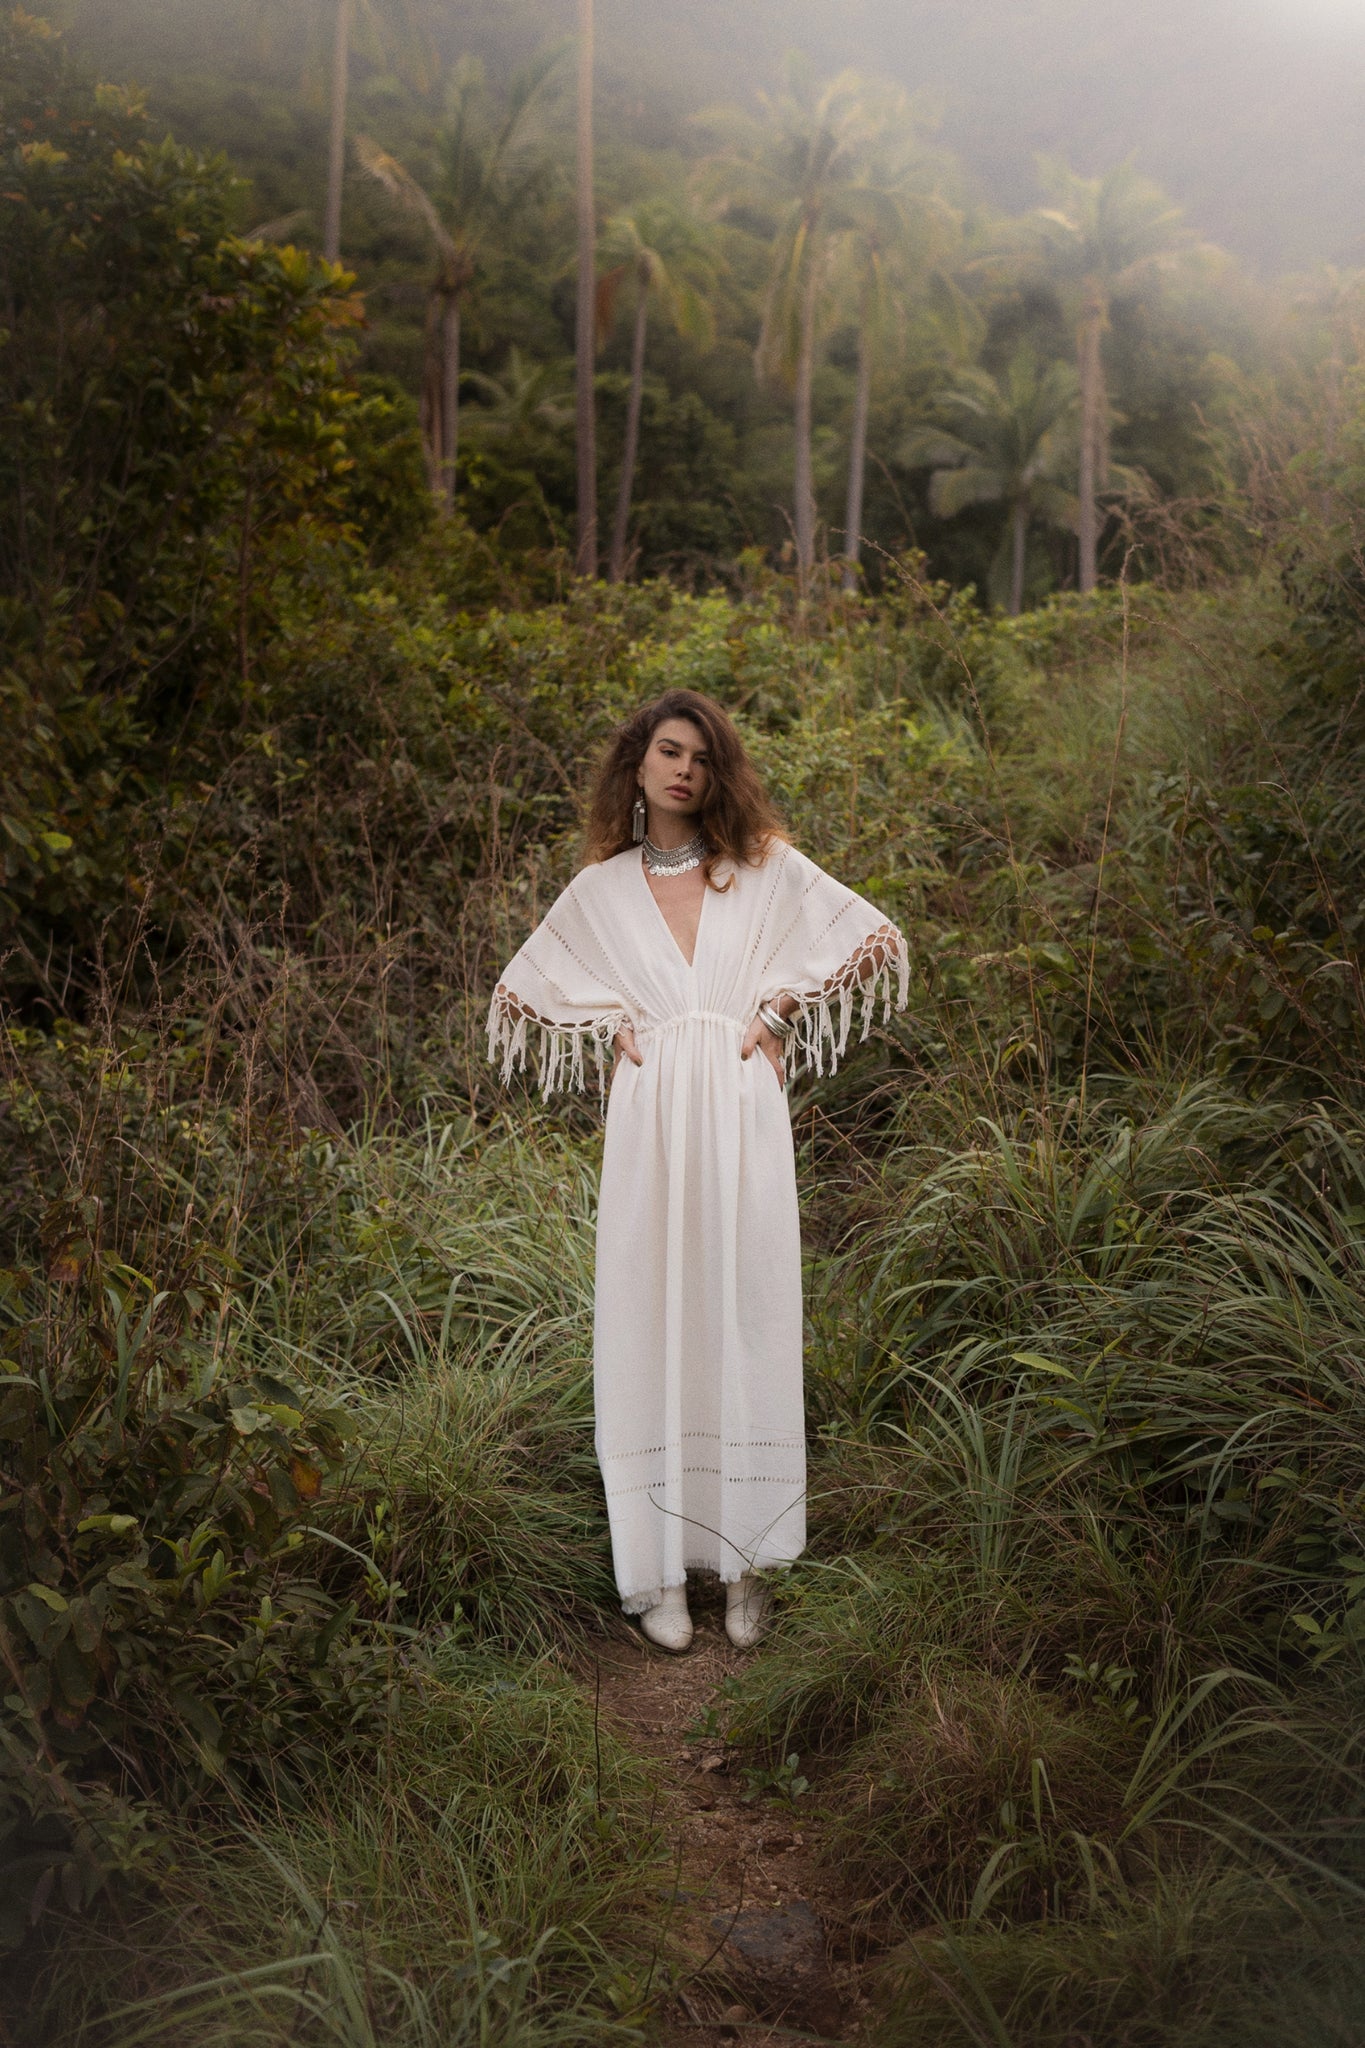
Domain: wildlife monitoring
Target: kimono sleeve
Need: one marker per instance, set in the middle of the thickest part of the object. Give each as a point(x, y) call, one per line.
point(562, 989)
point(830, 950)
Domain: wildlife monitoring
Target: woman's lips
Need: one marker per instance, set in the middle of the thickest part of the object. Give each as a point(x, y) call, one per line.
point(679, 791)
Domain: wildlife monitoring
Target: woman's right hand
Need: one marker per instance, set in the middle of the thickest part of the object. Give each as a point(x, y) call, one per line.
point(625, 1048)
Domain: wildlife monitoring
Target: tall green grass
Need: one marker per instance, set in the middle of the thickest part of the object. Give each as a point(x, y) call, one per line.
point(473, 1866)
point(1083, 1645)
point(476, 1881)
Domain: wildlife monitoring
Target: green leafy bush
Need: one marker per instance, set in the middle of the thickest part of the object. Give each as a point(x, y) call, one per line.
point(181, 447)
point(162, 1623)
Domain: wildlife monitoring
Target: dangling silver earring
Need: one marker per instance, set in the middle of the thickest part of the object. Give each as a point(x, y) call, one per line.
point(638, 817)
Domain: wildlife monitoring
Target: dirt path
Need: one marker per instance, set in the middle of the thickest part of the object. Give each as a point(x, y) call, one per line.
point(748, 1900)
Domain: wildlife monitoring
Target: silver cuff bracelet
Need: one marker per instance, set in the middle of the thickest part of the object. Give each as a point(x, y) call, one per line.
point(780, 1026)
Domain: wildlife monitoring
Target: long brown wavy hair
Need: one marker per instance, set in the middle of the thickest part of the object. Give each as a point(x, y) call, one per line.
point(739, 822)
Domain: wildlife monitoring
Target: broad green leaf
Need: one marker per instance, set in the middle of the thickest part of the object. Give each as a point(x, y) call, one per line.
point(48, 1595)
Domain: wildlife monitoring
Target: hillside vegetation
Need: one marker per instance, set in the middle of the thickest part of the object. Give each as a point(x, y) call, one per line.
point(301, 1539)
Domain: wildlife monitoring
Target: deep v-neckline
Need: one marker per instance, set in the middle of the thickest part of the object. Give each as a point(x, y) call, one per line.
point(688, 965)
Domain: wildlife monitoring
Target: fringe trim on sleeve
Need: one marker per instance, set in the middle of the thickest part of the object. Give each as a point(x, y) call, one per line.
point(559, 1048)
point(824, 1020)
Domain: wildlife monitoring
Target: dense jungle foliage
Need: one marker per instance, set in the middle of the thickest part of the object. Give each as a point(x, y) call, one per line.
point(299, 1519)
point(458, 189)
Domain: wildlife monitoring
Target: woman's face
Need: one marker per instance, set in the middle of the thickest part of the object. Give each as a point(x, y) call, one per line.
point(674, 771)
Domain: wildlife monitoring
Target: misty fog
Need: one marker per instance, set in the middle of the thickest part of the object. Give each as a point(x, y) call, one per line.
point(1250, 112)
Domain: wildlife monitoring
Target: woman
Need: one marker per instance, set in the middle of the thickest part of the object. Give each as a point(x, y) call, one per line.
point(705, 949)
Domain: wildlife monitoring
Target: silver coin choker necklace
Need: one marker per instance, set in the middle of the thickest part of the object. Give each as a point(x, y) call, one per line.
point(675, 860)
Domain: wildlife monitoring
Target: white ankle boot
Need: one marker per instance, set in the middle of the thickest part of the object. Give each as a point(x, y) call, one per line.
point(747, 1602)
point(669, 1624)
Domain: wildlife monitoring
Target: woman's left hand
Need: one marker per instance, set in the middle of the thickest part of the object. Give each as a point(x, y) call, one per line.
point(769, 1044)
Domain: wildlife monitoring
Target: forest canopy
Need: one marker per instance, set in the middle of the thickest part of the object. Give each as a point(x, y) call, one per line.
point(963, 288)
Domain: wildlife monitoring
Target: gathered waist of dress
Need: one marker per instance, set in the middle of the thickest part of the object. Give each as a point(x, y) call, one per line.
point(654, 1027)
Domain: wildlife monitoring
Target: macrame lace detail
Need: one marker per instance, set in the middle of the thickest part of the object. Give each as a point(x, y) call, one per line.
point(560, 1049)
point(825, 1017)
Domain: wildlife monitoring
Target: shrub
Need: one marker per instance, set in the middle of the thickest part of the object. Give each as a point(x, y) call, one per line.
point(162, 1623)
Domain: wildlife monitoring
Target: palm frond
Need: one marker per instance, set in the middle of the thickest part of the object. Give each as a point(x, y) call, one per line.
point(954, 490)
point(932, 448)
point(401, 186)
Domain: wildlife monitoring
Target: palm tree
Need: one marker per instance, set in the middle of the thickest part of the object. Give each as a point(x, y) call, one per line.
point(1011, 442)
point(486, 170)
point(522, 408)
point(585, 319)
point(342, 15)
point(1103, 237)
point(521, 426)
point(664, 258)
point(794, 164)
point(896, 237)
point(408, 35)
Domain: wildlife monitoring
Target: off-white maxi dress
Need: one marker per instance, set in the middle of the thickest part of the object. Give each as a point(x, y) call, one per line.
point(698, 1324)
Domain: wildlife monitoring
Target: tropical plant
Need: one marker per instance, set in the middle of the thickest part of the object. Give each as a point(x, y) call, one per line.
point(663, 257)
point(792, 166)
point(486, 169)
point(518, 436)
point(342, 15)
point(1012, 442)
point(896, 240)
point(180, 434)
point(528, 401)
point(173, 413)
point(1103, 237)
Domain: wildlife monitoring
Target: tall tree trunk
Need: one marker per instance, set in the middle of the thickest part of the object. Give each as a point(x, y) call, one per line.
point(336, 156)
point(429, 400)
point(585, 334)
point(1092, 433)
point(621, 525)
point(1018, 547)
point(450, 397)
point(805, 379)
point(857, 459)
